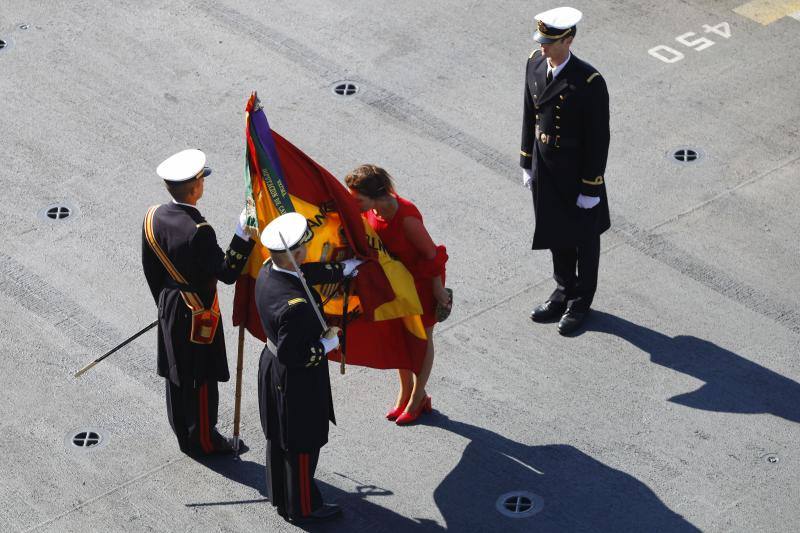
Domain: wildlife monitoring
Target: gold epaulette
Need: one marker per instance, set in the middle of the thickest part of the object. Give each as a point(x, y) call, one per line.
point(534, 53)
point(591, 77)
point(200, 225)
point(297, 301)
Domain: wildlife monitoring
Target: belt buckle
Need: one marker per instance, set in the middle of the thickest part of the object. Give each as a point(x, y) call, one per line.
point(544, 138)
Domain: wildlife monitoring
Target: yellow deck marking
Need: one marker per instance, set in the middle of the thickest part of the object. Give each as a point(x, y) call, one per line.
point(768, 11)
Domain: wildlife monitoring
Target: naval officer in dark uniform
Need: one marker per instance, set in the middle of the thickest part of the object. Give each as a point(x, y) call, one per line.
point(182, 263)
point(565, 137)
point(294, 390)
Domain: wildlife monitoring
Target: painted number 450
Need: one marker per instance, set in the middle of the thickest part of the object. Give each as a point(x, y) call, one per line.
point(670, 55)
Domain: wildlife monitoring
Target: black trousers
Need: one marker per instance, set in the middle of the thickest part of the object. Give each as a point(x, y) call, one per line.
point(575, 273)
point(290, 481)
point(192, 412)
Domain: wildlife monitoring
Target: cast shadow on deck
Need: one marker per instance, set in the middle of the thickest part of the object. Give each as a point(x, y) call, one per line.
point(579, 492)
point(733, 384)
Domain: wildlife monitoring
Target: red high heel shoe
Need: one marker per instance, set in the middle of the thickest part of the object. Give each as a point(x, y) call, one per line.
point(425, 406)
point(394, 413)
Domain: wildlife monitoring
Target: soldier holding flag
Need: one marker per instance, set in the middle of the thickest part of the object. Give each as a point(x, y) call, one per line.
point(182, 263)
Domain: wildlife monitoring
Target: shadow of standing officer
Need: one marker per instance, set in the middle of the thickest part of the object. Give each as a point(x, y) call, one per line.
point(733, 384)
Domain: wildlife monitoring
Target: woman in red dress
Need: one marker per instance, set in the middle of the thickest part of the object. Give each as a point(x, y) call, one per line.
point(399, 225)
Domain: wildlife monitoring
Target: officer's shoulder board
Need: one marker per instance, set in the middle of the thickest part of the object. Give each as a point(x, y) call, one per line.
point(203, 224)
point(535, 53)
point(295, 301)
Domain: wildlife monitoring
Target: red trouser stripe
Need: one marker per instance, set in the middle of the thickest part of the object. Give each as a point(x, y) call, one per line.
point(205, 438)
point(305, 493)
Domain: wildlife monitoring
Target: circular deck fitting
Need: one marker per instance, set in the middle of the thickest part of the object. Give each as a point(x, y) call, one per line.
point(772, 458)
point(24, 26)
point(519, 504)
point(58, 212)
point(85, 439)
point(344, 88)
point(685, 155)
point(6, 44)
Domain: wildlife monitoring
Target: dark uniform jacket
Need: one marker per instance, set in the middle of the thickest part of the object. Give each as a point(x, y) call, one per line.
point(565, 137)
point(294, 388)
point(191, 245)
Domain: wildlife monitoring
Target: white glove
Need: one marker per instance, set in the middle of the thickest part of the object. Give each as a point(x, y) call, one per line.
point(527, 178)
point(350, 266)
point(240, 225)
point(330, 339)
point(329, 344)
point(587, 202)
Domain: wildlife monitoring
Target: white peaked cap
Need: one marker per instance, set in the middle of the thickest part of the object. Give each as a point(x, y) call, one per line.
point(184, 166)
point(292, 226)
point(552, 24)
point(560, 18)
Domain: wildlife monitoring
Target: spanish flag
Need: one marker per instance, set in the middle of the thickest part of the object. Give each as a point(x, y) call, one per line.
point(382, 320)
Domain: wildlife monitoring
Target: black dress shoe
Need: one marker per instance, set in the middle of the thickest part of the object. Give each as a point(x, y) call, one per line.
point(571, 321)
point(326, 511)
point(548, 311)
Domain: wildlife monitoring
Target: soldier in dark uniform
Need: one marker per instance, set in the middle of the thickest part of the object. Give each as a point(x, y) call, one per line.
point(182, 263)
point(294, 391)
point(565, 137)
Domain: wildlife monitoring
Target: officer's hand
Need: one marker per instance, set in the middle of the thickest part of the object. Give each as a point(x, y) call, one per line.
point(330, 339)
point(350, 267)
point(243, 230)
point(331, 333)
point(527, 178)
point(240, 226)
point(587, 202)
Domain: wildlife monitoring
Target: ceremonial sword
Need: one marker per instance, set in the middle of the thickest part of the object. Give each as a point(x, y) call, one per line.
point(305, 286)
point(80, 372)
point(303, 281)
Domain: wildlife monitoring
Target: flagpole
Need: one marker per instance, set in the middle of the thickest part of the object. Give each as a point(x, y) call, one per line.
point(238, 404)
point(345, 297)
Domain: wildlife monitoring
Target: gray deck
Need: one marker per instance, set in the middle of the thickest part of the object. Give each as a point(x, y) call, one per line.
point(662, 416)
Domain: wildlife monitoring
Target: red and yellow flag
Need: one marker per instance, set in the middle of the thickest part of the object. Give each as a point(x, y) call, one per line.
point(384, 329)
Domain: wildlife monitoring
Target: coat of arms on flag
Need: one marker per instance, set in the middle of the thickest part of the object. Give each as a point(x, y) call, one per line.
point(380, 310)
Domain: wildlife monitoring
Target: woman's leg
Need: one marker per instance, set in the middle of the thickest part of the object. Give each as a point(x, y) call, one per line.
point(418, 392)
point(406, 386)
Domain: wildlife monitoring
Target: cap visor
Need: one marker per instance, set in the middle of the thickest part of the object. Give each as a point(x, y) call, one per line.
point(206, 172)
point(539, 38)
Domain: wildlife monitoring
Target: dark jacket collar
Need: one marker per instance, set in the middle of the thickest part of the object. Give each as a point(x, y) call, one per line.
point(558, 84)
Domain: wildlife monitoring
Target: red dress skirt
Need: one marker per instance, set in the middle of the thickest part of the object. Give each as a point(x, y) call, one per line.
point(423, 270)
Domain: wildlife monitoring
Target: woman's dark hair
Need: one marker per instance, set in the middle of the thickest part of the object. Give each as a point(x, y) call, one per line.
point(370, 180)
